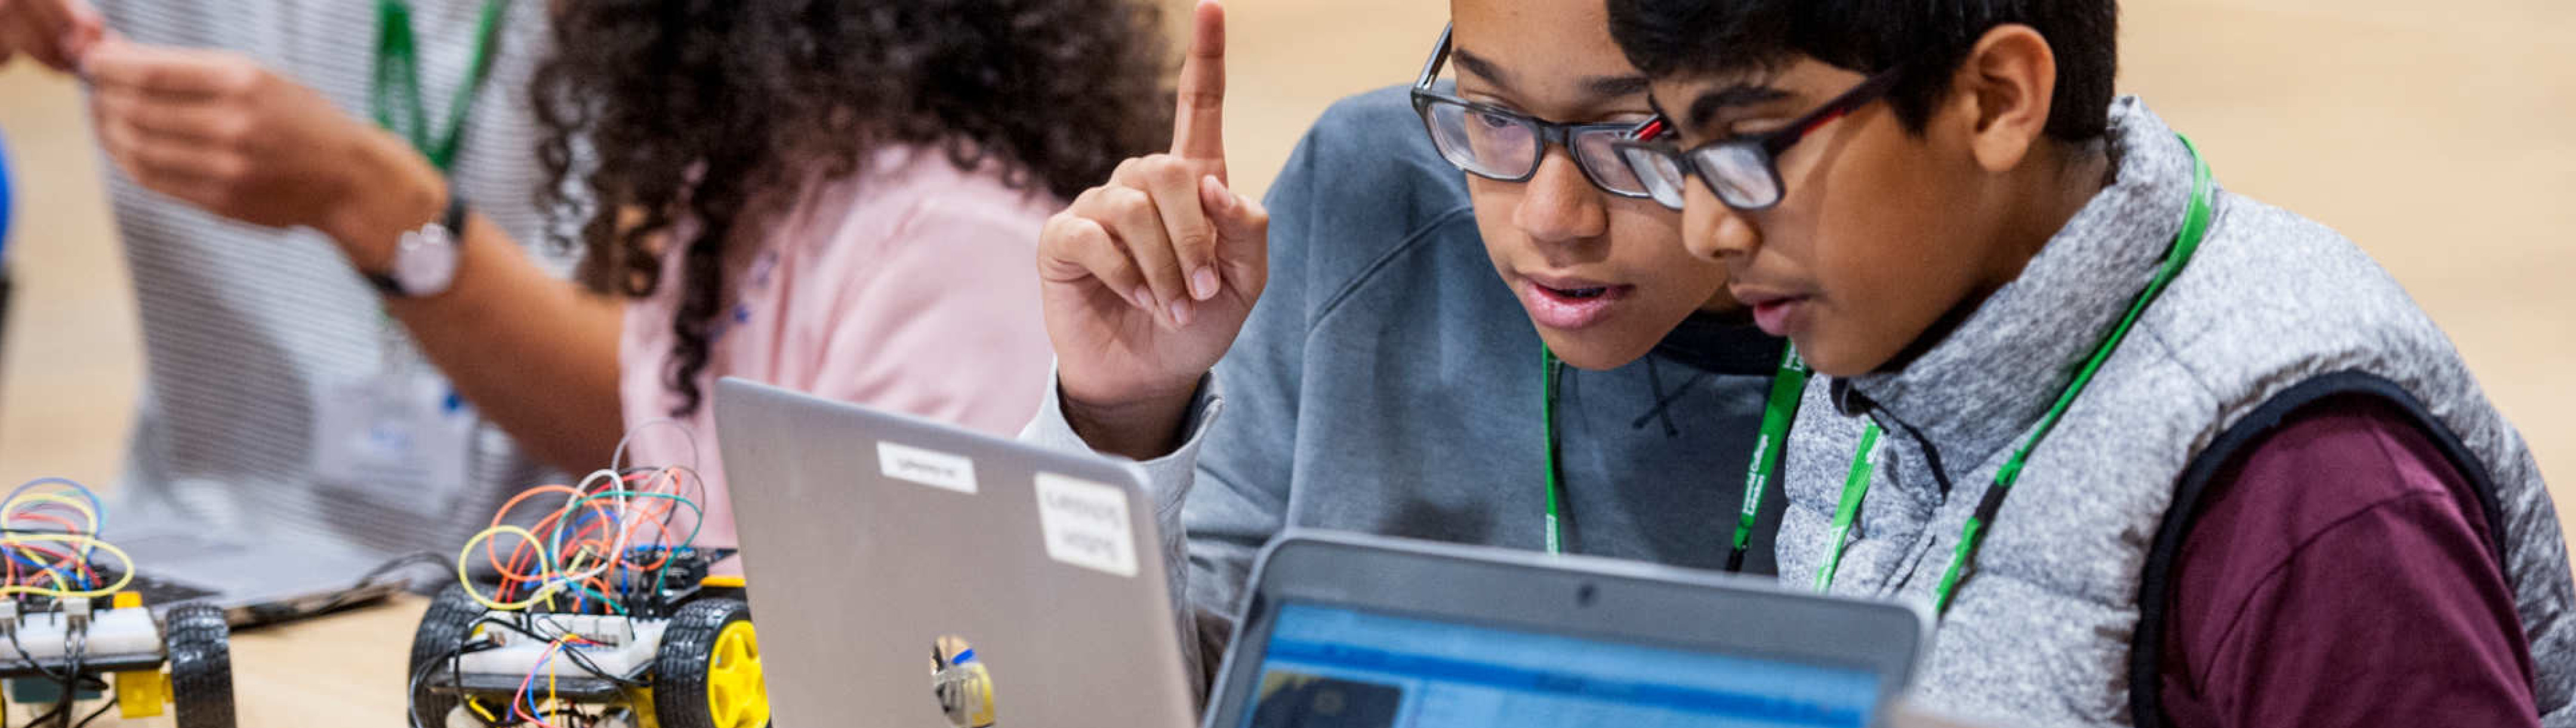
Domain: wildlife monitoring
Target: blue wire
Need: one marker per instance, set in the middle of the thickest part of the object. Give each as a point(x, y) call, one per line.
point(15, 556)
point(584, 515)
point(531, 690)
point(74, 577)
point(96, 510)
point(581, 598)
point(68, 575)
point(5, 200)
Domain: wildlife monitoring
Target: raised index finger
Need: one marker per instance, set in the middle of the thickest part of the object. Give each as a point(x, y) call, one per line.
point(1198, 125)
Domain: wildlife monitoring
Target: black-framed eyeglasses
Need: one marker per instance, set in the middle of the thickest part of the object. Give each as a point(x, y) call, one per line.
point(1500, 144)
point(1743, 171)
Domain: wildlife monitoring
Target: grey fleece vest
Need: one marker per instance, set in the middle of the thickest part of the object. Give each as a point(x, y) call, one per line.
point(2060, 619)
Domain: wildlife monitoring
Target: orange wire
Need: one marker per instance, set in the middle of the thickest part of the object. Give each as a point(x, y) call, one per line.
point(597, 539)
point(59, 557)
point(58, 521)
point(519, 557)
point(67, 527)
point(492, 548)
point(38, 511)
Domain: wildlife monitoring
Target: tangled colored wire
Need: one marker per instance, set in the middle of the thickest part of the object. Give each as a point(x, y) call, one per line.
point(610, 531)
point(613, 538)
point(524, 705)
point(49, 529)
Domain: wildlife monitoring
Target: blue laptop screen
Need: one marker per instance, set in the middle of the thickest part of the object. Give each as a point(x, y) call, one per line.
point(1329, 667)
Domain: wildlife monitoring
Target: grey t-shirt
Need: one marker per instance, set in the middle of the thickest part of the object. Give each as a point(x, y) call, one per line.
point(1389, 383)
point(239, 322)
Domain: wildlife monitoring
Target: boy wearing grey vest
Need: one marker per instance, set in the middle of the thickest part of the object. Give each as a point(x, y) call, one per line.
point(2157, 454)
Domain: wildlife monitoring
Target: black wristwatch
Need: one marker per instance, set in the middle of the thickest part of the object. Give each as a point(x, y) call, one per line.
point(425, 259)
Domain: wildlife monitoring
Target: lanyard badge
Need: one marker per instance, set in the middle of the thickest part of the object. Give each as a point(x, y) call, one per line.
point(396, 93)
point(403, 431)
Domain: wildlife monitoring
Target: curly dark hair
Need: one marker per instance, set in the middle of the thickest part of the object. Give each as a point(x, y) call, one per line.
point(713, 112)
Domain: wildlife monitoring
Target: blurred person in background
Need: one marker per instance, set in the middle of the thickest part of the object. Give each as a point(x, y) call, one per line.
point(255, 139)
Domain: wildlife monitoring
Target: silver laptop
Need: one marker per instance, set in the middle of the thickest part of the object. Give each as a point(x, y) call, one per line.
point(254, 583)
point(908, 573)
point(1360, 632)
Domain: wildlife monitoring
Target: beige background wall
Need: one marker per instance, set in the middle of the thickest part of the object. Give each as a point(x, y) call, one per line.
point(2433, 133)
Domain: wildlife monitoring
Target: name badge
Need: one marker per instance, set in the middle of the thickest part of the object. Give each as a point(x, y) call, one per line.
point(401, 435)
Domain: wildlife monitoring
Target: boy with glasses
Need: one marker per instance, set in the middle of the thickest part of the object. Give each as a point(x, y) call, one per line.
point(2158, 454)
point(1440, 254)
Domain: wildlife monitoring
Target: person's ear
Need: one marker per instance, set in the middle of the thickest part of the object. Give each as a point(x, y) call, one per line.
point(2008, 85)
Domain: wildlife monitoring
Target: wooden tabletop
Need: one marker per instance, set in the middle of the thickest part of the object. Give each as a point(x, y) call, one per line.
point(341, 671)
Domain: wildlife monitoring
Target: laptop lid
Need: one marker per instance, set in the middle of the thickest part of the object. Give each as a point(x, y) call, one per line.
point(253, 582)
point(936, 576)
point(1360, 632)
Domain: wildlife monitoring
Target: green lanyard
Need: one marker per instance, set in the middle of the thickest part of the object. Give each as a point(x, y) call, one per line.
point(396, 95)
point(1778, 413)
point(2195, 225)
point(1855, 488)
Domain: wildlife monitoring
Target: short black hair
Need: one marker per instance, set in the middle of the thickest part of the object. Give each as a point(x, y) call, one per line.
point(1664, 37)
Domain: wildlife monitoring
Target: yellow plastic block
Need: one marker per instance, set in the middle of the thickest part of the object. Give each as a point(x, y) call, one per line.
point(127, 600)
point(722, 582)
point(141, 693)
point(640, 702)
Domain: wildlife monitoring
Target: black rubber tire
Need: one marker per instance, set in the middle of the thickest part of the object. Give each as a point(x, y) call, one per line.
point(201, 665)
point(680, 669)
point(449, 622)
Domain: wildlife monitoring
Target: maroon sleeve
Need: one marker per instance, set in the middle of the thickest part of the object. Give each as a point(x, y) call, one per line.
point(2340, 575)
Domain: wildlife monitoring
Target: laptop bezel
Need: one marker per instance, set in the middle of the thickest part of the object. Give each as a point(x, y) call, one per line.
point(1614, 601)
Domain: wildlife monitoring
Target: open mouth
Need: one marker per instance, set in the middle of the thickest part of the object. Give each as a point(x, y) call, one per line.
point(1572, 304)
point(1579, 294)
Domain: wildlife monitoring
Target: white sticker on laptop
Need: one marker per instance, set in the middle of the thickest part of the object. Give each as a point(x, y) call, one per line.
point(935, 469)
point(1086, 524)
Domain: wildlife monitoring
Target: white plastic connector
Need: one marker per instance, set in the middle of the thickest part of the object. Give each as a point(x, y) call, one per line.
point(8, 617)
point(76, 609)
point(607, 630)
point(112, 633)
point(627, 646)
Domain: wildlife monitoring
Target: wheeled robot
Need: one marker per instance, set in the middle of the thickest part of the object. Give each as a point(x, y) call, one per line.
point(72, 634)
point(60, 653)
point(683, 654)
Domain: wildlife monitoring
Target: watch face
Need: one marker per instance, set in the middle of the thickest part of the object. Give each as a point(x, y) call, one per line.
point(426, 261)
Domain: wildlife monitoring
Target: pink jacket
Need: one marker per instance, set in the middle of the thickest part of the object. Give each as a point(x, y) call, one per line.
point(909, 286)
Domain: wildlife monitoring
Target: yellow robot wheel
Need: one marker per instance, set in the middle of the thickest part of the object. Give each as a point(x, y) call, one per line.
point(708, 674)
